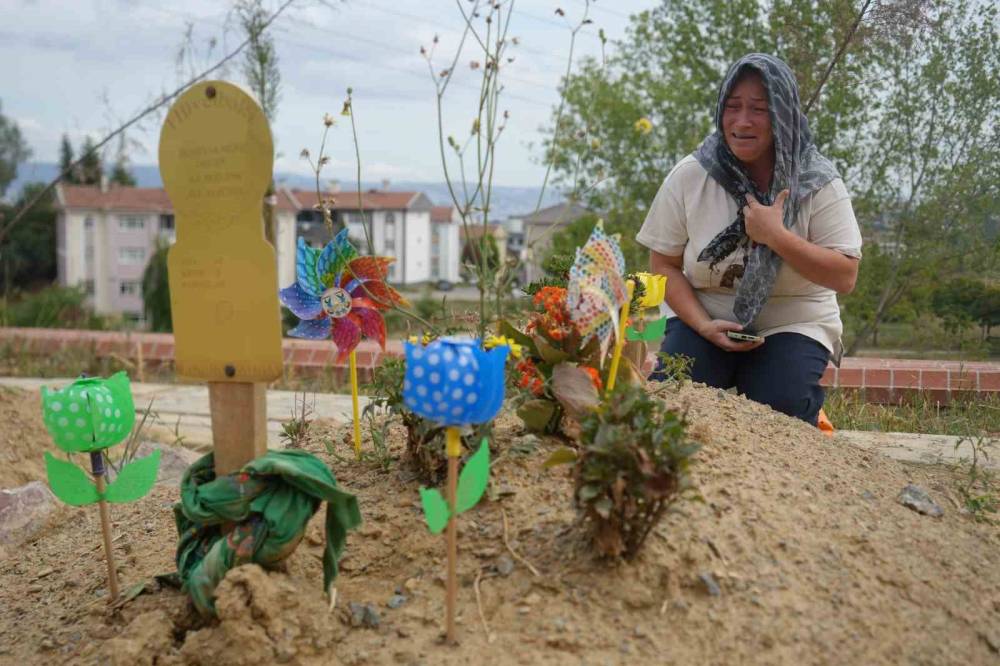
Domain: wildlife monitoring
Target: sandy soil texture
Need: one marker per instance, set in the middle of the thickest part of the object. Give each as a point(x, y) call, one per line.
point(800, 554)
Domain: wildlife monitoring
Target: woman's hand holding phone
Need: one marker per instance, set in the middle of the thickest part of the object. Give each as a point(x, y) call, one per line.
point(717, 332)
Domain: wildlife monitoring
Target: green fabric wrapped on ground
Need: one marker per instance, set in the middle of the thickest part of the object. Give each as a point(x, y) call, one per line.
point(270, 500)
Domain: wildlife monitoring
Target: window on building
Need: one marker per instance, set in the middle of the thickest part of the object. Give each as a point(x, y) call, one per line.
point(132, 255)
point(129, 287)
point(435, 267)
point(390, 233)
point(88, 287)
point(131, 223)
point(88, 222)
point(88, 254)
point(435, 240)
point(166, 223)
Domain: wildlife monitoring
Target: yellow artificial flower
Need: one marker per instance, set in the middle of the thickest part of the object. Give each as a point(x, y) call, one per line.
point(500, 341)
point(424, 340)
point(643, 125)
point(656, 289)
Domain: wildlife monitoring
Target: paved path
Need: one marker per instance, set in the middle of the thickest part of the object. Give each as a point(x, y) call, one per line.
point(182, 411)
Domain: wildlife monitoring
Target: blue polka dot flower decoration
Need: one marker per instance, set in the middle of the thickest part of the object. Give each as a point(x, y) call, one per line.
point(455, 382)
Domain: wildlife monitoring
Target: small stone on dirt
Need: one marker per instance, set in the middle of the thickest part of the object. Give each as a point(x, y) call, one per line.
point(711, 585)
point(916, 498)
point(396, 601)
point(504, 565)
point(364, 615)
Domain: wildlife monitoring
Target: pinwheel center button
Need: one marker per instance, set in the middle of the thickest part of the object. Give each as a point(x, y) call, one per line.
point(336, 302)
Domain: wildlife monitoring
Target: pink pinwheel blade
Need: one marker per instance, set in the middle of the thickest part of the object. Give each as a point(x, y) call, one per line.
point(346, 335)
point(371, 322)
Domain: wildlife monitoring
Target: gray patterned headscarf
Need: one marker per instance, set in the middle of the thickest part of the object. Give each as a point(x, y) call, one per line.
point(798, 167)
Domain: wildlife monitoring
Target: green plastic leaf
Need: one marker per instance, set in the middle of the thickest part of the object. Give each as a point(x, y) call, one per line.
point(135, 480)
point(473, 479)
point(69, 483)
point(653, 331)
point(563, 456)
point(436, 511)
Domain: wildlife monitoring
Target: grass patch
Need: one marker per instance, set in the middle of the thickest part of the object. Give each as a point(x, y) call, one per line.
point(978, 415)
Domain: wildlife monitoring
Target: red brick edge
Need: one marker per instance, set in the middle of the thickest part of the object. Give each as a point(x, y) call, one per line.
point(881, 380)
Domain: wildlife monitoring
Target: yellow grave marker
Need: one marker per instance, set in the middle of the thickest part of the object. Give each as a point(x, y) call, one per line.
point(216, 158)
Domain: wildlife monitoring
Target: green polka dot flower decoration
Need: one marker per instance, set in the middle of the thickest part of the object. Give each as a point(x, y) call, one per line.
point(88, 416)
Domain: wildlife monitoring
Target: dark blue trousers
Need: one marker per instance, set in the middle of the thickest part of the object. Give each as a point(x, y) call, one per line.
point(783, 373)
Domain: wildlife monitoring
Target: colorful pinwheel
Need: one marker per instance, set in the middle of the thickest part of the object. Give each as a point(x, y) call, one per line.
point(597, 291)
point(339, 294)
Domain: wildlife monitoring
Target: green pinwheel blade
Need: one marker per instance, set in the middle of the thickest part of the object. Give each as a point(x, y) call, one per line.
point(473, 479)
point(435, 510)
point(654, 330)
point(135, 480)
point(69, 483)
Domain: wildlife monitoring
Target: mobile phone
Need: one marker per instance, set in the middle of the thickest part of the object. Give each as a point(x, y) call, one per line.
point(743, 337)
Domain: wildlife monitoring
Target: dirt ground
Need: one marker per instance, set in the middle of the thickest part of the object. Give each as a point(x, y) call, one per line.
point(800, 554)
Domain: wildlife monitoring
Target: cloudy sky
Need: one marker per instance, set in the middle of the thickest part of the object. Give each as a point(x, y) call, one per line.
point(81, 67)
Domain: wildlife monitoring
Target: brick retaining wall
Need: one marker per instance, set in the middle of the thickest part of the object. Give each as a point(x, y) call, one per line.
point(882, 380)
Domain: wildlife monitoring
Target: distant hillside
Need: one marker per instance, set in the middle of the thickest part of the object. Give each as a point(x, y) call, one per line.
point(507, 201)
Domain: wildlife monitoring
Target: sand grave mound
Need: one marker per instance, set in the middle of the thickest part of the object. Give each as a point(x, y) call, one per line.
point(23, 438)
point(799, 554)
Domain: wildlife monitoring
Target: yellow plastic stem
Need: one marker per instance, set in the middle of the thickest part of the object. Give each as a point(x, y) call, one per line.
point(616, 355)
point(354, 404)
point(453, 447)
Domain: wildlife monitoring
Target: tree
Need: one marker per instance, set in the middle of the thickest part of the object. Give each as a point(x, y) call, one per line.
point(91, 168)
point(931, 165)
point(156, 291)
point(121, 173)
point(575, 234)
point(28, 254)
point(66, 160)
point(13, 151)
point(260, 67)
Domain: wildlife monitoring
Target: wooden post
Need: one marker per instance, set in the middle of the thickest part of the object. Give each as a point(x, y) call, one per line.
point(98, 470)
point(239, 423)
point(453, 444)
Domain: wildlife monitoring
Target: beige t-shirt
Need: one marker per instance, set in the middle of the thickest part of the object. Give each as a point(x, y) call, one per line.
point(691, 208)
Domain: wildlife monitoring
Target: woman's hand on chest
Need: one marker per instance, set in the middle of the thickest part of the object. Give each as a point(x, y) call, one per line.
point(764, 223)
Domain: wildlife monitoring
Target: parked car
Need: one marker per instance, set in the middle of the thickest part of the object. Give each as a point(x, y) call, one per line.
point(444, 285)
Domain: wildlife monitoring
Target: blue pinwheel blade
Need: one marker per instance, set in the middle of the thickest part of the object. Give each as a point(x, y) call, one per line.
point(312, 329)
point(302, 304)
point(305, 269)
